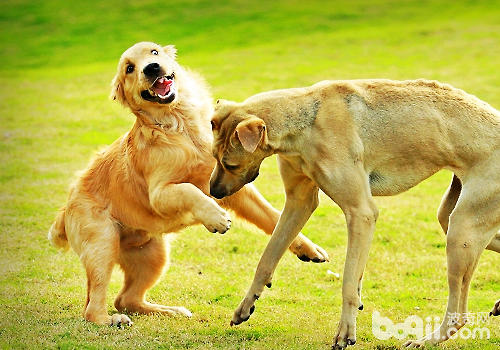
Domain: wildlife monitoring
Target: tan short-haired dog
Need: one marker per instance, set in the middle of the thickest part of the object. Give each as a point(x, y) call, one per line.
point(152, 180)
point(358, 139)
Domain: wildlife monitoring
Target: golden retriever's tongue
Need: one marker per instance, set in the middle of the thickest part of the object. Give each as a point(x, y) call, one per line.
point(162, 86)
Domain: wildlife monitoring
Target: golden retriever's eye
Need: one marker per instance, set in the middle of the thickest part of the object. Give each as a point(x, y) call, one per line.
point(154, 52)
point(213, 124)
point(130, 68)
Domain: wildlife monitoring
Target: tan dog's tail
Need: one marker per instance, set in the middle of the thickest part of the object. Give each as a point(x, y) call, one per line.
point(57, 232)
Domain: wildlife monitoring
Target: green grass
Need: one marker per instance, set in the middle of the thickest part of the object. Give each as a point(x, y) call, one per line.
point(58, 58)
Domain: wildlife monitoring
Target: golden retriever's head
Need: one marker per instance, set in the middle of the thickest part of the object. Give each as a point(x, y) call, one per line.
point(146, 76)
point(239, 145)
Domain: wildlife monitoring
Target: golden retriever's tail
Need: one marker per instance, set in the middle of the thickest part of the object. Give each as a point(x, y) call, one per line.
point(57, 232)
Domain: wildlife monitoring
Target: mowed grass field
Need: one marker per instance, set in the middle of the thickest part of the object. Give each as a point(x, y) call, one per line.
point(58, 58)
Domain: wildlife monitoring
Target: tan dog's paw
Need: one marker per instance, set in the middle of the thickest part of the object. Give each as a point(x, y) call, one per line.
point(120, 320)
point(346, 335)
point(243, 312)
point(213, 217)
point(308, 251)
point(496, 309)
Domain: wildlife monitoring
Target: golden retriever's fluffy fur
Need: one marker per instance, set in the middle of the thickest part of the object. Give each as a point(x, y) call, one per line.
point(152, 180)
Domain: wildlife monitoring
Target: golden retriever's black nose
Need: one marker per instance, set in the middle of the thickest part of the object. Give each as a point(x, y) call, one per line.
point(152, 70)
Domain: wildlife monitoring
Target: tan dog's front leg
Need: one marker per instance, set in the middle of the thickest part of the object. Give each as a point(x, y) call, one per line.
point(349, 188)
point(190, 203)
point(250, 205)
point(361, 224)
point(301, 201)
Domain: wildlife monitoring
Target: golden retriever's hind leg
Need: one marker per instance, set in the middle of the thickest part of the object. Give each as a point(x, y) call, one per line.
point(98, 256)
point(143, 264)
point(249, 204)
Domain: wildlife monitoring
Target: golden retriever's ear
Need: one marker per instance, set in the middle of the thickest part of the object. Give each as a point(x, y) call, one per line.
point(117, 92)
point(250, 132)
point(171, 51)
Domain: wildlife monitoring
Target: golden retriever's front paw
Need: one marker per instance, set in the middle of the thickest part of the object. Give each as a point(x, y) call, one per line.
point(214, 218)
point(308, 251)
point(496, 309)
point(243, 312)
point(120, 320)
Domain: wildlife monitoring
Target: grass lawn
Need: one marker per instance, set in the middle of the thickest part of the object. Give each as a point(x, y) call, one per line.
point(58, 59)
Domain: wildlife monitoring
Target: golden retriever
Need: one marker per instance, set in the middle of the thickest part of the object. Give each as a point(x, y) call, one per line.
point(152, 180)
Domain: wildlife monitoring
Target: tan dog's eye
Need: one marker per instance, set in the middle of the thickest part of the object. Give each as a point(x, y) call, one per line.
point(154, 52)
point(213, 124)
point(130, 68)
point(231, 167)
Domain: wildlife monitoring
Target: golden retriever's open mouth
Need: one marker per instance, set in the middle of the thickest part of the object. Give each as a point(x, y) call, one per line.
point(163, 90)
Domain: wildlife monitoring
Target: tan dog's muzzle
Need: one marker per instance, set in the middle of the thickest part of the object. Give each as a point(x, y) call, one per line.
point(222, 183)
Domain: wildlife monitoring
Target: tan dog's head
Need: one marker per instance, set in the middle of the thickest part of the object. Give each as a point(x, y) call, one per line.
point(239, 145)
point(146, 77)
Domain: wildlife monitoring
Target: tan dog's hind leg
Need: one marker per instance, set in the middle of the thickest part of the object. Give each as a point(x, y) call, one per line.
point(496, 309)
point(448, 202)
point(99, 254)
point(473, 224)
point(250, 205)
point(495, 243)
point(301, 201)
point(143, 264)
point(495, 246)
point(447, 205)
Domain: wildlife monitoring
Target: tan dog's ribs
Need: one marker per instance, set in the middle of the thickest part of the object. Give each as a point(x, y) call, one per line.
point(249, 204)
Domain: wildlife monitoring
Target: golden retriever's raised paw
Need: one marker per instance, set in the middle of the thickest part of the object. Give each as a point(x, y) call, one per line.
point(308, 251)
point(213, 217)
point(496, 309)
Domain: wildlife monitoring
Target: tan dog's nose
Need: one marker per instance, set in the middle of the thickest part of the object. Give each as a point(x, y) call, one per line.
point(217, 190)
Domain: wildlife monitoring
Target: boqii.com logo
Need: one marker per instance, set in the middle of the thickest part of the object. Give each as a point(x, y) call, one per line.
point(383, 328)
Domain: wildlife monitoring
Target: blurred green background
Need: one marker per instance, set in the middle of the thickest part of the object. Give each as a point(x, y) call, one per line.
point(58, 59)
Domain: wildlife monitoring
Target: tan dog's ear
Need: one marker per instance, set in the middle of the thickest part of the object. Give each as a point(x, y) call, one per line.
point(250, 132)
point(171, 51)
point(117, 92)
point(220, 103)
